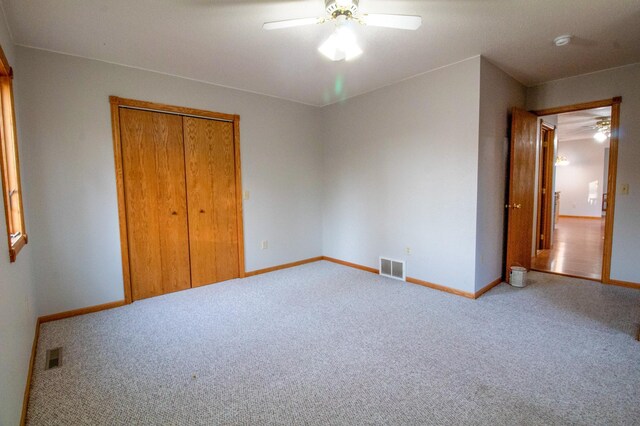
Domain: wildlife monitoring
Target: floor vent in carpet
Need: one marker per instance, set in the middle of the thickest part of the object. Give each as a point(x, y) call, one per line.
point(54, 358)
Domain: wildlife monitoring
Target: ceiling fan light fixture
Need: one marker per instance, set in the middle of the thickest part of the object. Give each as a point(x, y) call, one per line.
point(337, 8)
point(341, 45)
point(603, 127)
point(600, 136)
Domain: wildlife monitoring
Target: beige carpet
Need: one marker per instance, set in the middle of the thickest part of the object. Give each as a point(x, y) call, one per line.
point(326, 344)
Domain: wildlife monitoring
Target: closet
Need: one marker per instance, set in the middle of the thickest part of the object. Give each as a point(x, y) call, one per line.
point(179, 196)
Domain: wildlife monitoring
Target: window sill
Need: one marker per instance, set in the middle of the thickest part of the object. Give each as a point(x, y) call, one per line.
point(16, 246)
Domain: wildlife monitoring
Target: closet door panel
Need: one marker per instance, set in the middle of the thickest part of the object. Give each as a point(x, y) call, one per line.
point(211, 192)
point(155, 197)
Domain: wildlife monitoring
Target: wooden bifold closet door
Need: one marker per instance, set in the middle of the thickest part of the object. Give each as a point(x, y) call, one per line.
point(211, 189)
point(179, 178)
point(156, 202)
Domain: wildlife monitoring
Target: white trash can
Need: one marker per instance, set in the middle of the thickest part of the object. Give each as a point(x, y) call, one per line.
point(518, 277)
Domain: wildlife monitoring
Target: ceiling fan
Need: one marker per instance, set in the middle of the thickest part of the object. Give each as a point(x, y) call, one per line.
point(342, 43)
point(603, 127)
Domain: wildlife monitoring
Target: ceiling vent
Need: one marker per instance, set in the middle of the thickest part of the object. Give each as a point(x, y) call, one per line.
point(393, 269)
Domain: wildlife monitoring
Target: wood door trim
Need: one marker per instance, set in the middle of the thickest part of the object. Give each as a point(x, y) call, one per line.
point(122, 213)
point(239, 213)
point(116, 103)
point(611, 192)
point(614, 103)
point(578, 107)
point(171, 109)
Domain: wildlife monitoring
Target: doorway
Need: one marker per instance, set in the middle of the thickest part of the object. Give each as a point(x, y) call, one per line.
point(572, 191)
point(570, 233)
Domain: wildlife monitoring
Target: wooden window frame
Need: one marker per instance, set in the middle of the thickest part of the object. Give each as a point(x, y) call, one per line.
point(9, 148)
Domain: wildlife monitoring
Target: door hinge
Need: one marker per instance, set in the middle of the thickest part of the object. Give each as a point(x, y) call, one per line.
point(544, 190)
point(545, 144)
point(541, 237)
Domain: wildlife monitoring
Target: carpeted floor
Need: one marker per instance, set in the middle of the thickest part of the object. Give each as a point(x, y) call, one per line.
point(326, 344)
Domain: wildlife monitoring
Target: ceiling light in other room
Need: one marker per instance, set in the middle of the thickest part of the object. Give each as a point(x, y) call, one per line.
point(562, 40)
point(600, 137)
point(561, 160)
point(341, 45)
point(603, 127)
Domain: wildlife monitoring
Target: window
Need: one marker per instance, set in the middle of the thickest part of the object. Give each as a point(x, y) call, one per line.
point(9, 163)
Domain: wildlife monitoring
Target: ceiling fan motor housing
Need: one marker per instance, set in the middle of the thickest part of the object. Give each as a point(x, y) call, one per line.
point(346, 8)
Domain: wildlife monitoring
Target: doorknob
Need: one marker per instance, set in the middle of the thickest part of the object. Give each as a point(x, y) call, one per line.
point(517, 206)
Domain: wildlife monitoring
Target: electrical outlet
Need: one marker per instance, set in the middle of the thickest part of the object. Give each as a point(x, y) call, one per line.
point(245, 195)
point(264, 245)
point(408, 250)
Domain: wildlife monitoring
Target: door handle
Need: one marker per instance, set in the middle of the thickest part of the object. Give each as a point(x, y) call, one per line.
point(517, 206)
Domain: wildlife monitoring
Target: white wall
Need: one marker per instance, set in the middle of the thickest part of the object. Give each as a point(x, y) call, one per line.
point(68, 167)
point(17, 307)
point(498, 94)
point(401, 170)
point(586, 159)
point(625, 82)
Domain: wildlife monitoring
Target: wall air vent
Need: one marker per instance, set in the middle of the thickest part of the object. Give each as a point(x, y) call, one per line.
point(393, 269)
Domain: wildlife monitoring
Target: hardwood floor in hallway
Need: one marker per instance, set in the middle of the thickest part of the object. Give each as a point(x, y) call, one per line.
point(576, 251)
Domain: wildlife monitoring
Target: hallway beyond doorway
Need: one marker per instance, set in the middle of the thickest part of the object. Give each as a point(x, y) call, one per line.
point(576, 251)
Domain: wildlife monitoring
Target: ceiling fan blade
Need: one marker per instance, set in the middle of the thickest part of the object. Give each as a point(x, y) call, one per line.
point(401, 22)
point(289, 23)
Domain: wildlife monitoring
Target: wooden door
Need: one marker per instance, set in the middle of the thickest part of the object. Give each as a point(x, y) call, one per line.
point(545, 187)
point(521, 190)
point(211, 191)
point(155, 200)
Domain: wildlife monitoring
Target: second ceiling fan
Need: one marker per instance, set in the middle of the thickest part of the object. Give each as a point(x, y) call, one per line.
point(342, 44)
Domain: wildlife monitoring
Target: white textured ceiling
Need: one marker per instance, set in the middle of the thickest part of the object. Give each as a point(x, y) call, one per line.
point(222, 41)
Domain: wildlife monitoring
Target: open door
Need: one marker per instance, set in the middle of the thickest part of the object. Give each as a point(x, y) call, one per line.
point(521, 190)
point(545, 187)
